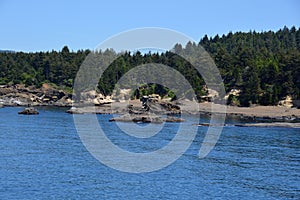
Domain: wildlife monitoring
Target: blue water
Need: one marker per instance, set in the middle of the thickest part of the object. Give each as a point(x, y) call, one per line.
point(42, 157)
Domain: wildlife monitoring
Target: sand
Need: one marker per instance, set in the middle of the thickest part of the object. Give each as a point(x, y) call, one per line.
point(257, 111)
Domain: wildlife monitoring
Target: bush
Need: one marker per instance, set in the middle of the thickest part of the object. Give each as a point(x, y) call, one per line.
point(233, 100)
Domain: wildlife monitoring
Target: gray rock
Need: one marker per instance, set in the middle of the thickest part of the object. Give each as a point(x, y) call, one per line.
point(74, 110)
point(145, 118)
point(29, 111)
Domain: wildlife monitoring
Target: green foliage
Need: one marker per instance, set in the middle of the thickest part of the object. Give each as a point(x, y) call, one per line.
point(264, 66)
point(126, 62)
point(233, 100)
point(152, 88)
point(4, 81)
point(59, 68)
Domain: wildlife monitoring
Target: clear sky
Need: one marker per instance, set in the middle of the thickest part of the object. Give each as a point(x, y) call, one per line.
point(40, 25)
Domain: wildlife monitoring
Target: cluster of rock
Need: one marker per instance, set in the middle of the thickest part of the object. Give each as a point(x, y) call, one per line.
point(210, 94)
point(149, 110)
point(19, 95)
point(289, 102)
point(156, 105)
point(152, 107)
point(92, 97)
point(145, 118)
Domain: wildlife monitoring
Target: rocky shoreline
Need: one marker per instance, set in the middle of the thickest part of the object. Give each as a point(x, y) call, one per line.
point(256, 113)
point(19, 95)
point(273, 124)
point(145, 118)
point(264, 114)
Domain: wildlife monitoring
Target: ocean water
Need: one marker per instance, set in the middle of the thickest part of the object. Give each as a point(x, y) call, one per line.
point(42, 157)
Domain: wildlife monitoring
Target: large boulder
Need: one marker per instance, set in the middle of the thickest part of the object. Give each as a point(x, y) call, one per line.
point(286, 102)
point(29, 111)
point(154, 104)
point(74, 110)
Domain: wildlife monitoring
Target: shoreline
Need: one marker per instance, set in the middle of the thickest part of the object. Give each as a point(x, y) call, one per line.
point(48, 96)
point(268, 125)
point(257, 113)
point(254, 114)
point(258, 116)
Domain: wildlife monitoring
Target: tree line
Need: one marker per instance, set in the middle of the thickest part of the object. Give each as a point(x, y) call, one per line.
point(265, 66)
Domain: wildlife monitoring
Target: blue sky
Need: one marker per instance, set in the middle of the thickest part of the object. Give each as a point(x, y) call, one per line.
point(36, 25)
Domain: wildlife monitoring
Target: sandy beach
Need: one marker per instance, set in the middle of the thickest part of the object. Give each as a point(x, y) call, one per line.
point(257, 111)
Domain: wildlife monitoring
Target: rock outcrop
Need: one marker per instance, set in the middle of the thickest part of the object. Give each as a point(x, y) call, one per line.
point(149, 112)
point(145, 118)
point(29, 111)
point(156, 105)
point(19, 95)
point(286, 102)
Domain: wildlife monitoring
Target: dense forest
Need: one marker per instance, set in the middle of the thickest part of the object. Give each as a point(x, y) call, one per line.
point(265, 66)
